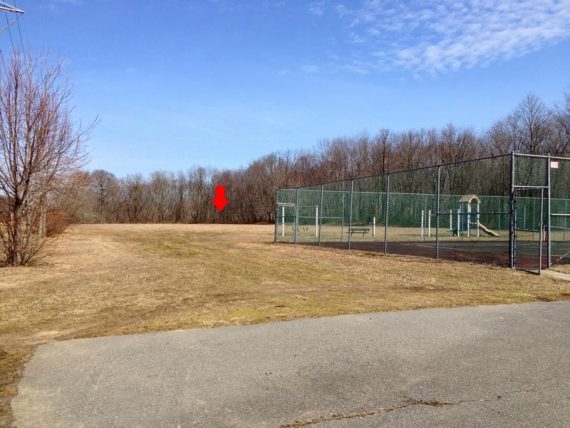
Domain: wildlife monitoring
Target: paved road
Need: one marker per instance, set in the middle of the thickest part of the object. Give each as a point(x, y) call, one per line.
point(487, 366)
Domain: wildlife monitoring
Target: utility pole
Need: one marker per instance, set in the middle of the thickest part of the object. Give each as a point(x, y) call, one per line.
point(5, 7)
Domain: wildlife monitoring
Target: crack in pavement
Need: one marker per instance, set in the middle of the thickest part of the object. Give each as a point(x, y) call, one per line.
point(336, 417)
point(407, 403)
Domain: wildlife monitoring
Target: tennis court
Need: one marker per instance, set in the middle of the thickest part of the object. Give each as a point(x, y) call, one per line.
point(510, 210)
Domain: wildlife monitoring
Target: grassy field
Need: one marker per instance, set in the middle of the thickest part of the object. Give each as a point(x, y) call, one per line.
point(121, 279)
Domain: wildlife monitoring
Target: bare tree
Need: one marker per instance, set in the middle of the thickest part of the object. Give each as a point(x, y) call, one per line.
point(532, 125)
point(104, 186)
point(381, 152)
point(134, 197)
point(561, 141)
point(39, 149)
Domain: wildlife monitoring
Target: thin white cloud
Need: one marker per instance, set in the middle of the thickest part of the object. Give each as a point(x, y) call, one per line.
point(317, 7)
point(55, 5)
point(62, 2)
point(311, 68)
point(435, 37)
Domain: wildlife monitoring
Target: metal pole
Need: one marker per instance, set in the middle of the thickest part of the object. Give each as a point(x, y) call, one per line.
point(478, 221)
point(317, 221)
point(422, 224)
point(512, 214)
point(9, 8)
point(283, 221)
point(350, 214)
point(548, 214)
point(386, 211)
point(468, 219)
point(276, 222)
point(459, 221)
point(321, 212)
point(437, 213)
point(342, 218)
point(296, 216)
point(540, 228)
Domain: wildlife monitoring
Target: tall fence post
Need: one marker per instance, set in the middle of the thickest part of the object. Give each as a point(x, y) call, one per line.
point(342, 218)
point(296, 224)
point(512, 214)
point(548, 213)
point(386, 212)
point(437, 203)
point(321, 213)
point(283, 221)
point(316, 221)
point(350, 214)
point(540, 227)
point(276, 212)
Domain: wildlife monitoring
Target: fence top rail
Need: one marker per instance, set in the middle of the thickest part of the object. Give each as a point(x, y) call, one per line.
point(387, 174)
point(526, 155)
point(432, 195)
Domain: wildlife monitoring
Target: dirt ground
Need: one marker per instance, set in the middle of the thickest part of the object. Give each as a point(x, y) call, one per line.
point(120, 279)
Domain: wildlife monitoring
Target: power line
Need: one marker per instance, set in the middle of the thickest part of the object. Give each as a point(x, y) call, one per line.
point(18, 23)
point(8, 25)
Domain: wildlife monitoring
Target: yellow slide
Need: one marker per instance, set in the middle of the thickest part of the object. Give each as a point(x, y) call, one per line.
point(488, 231)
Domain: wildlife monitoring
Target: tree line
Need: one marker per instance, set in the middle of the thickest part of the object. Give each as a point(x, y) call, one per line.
point(185, 197)
point(42, 187)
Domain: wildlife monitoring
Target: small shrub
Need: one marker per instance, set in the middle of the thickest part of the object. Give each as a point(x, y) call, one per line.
point(56, 222)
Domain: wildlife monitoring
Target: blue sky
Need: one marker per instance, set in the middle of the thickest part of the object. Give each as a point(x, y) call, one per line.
point(218, 83)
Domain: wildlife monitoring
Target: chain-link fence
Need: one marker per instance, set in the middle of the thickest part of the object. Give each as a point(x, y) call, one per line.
point(511, 210)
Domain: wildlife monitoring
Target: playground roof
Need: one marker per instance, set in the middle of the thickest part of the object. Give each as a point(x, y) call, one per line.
point(470, 198)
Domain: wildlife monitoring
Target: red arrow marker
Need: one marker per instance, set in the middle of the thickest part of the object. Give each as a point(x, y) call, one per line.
point(220, 200)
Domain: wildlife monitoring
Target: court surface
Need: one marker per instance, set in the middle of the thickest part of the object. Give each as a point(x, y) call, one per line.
point(504, 365)
point(494, 252)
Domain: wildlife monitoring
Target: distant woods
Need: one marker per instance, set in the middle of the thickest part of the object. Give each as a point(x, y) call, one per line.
point(185, 197)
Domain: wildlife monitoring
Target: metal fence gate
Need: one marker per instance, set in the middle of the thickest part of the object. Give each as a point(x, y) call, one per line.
point(529, 230)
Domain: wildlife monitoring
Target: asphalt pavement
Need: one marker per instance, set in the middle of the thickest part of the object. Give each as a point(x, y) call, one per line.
point(506, 365)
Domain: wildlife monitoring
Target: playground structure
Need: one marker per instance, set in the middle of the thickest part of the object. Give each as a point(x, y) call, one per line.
point(468, 219)
point(511, 210)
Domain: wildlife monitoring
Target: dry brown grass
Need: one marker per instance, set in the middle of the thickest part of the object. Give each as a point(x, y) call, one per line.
point(562, 268)
point(120, 279)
